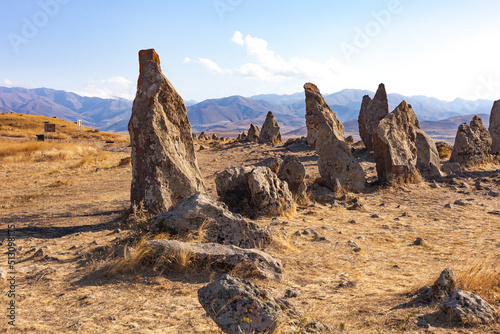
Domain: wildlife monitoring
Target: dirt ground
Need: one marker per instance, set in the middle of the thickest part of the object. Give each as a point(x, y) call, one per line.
point(72, 209)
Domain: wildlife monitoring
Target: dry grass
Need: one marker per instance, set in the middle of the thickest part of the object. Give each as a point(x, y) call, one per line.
point(481, 277)
point(28, 126)
point(29, 151)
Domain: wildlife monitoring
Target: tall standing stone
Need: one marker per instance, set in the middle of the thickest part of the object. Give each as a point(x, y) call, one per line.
point(394, 145)
point(472, 143)
point(494, 128)
point(270, 132)
point(318, 112)
point(337, 167)
point(371, 113)
point(253, 133)
point(164, 165)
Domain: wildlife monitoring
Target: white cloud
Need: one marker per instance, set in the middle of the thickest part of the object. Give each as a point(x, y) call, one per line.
point(109, 88)
point(271, 67)
point(9, 83)
point(237, 38)
point(186, 60)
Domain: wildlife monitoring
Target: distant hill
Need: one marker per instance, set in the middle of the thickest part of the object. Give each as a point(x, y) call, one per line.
point(105, 114)
point(230, 114)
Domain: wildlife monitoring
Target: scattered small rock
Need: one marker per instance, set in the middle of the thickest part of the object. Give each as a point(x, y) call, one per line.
point(347, 284)
point(418, 242)
point(292, 293)
point(76, 325)
point(310, 231)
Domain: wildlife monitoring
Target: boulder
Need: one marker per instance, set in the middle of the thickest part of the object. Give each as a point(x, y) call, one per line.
point(394, 145)
point(472, 143)
point(293, 172)
point(494, 128)
point(239, 306)
point(274, 164)
point(443, 286)
point(253, 191)
point(270, 132)
point(452, 168)
point(203, 136)
point(468, 308)
point(242, 136)
point(371, 113)
point(219, 225)
point(427, 155)
point(164, 164)
point(247, 262)
point(253, 133)
point(337, 167)
point(214, 137)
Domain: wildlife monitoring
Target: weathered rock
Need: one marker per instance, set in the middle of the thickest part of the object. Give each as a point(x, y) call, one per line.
point(452, 168)
point(274, 164)
point(195, 137)
point(253, 133)
point(444, 149)
point(214, 137)
point(336, 165)
point(468, 308)
point(253, 191)
point(247, 262)
point(394, 145)
point(269, 194)
point(164, 165)
point(320, 117)
point(494, 128)
point(371, 113)
point(239, 306)
point(443, 286)
point(270, 132)
point(242, 136)
point(203, 136)
point(293, 172)
point(427, 155)
point(322, 194)
point(219, 224)
point(349, 140)
point(472, 143)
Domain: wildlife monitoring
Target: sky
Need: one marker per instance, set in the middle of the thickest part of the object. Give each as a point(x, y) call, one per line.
point(217, 48)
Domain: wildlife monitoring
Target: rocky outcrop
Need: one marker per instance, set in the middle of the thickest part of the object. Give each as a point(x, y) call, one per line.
point(253, 191)
point(472, 143)
point(293, 172)
point(494, 128)
point(203, 136)
point(319, 116)
point(253, 133)
point(468, 308)
point(219, 225)
point(394, 145)
point(242, 136)
point(371, 113)
point(270, 132)
point(337, 167)
point(239, 306)
point(164, 165)
point(247, 262)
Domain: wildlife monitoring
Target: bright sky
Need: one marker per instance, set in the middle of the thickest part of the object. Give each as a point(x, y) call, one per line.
point(216, 48)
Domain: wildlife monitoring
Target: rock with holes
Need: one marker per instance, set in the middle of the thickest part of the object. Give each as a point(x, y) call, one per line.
point(371, 113)
point(468, 308)
point(246, 262)
point(164, 165)
point(253, 191)
point(494, 128)
point(472, 143)
point(239, 306)
point(200, 213)
point(253, 133)
point(337, 167)
point(394, 145)
point(293, 172)
point(270, 132)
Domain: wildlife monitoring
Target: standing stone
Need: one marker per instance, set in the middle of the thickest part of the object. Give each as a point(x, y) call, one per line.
point(472, 143)
point(371, 113)
point(394, 145)
point(494, 128)
point(293, 172)
point(164, 165)
point(318, 112)
point(203, 136)
point(253, 133)
point(427, 155)
point(337, 167)
point(270, 132)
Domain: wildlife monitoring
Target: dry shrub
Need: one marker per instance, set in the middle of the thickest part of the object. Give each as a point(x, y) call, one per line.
point(444, 149)
point(125, 162)
point(481, 277)
point(60, 183)
point(283, 242)
point(92, 159)
point(402, 180)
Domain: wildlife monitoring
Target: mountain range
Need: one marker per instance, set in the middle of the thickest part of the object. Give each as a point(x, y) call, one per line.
point(229, 114)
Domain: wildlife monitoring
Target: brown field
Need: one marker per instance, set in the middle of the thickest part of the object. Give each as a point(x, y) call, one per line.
point(70, 199)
